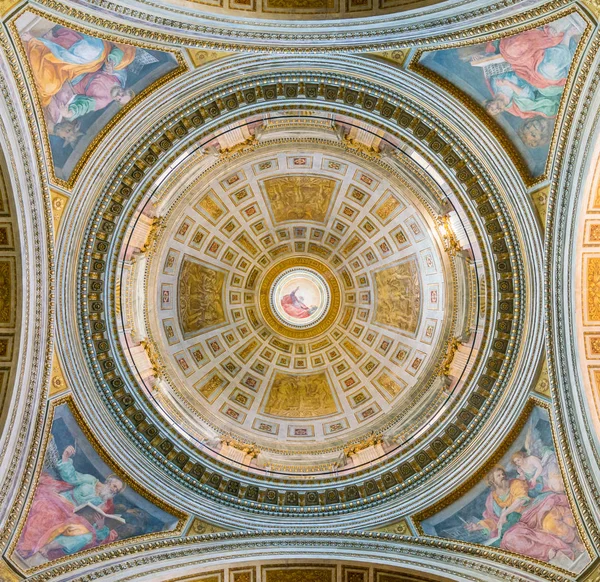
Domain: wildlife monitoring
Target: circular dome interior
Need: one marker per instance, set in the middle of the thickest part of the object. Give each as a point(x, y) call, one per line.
point(296, 300)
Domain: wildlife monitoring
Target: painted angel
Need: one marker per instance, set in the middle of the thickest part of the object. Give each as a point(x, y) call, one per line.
point(538, 465)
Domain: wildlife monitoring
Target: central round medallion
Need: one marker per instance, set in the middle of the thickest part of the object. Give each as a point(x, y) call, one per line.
point(300, 297)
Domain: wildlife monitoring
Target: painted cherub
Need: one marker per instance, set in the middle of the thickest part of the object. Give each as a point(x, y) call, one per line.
point(529, 468)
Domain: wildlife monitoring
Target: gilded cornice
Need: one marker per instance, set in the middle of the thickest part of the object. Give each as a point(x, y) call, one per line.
point(387, 548)
point(464, 173)
point(276, 39)
point(564, 191)
point(38, 284)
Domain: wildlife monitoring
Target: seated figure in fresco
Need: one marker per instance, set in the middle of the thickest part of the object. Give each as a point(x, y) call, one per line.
point(528, 77)
point(65, 56)
point(538, 527)
point(76, 74)
point(91, 92)
point(294, 305)
point(52, 527)
point(518, 97)
point(541, 56)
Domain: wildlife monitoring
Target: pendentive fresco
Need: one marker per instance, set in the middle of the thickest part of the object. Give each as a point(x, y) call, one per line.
point(521, 504)
point(518, 80)
point(82, 81)
point(79, 502)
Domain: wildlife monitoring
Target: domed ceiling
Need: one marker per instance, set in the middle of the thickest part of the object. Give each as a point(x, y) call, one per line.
point(297, 295)
point(294, 10)
point(288, 301)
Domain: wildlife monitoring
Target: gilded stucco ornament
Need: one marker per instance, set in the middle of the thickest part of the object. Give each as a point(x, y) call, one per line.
point(405, 31)
point(33, 199)
point(573, 423)
point(464, 172)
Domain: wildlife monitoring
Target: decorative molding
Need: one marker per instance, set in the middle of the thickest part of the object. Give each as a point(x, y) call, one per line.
point(542, 386)
point(395, 57)
point(224, 33)
point(201, 527)
point(201, 57)
point(57, 379)
point(383, 549)
point(59, 204)
point(540, 200)
point(7, 5)
point(581, 458)
point(400, 527)
point(7, 574)
point(592, 574)
point(32, 200)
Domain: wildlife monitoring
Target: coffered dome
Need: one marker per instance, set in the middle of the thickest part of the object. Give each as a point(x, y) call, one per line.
point(297, 294)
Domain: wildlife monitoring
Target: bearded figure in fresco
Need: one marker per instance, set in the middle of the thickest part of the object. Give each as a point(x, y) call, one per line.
point(53, 527)
point(538, 527)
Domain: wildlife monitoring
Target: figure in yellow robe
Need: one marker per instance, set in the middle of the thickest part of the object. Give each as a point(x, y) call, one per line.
point(67, 55)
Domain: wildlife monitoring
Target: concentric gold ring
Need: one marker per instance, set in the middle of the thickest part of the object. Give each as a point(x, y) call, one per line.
point(265, 304)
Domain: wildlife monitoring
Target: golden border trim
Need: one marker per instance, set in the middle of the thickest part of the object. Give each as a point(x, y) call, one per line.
point(199, 576)
point(279, 566)
point(238, 44)
point(334, 288)
point(478, 110)
point(117, 470)
point(70, 182)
